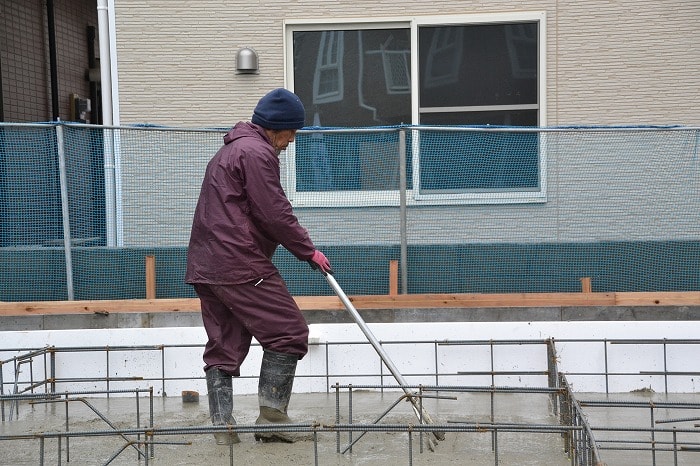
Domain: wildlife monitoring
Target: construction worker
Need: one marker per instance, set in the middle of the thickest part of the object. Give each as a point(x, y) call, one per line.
point(241, 217)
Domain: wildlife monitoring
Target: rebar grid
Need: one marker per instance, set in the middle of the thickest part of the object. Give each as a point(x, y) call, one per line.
point(68, 398)
point(419, 392)
point(581, 445)
point(653, 443)
point(150, 434)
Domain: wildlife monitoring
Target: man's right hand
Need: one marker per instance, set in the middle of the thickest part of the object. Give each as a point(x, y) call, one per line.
point(320, 261)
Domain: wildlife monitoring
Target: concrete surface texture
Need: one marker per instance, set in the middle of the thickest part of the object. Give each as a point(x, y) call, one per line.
point(628, 365)
point(381, 447)
point(116, 421)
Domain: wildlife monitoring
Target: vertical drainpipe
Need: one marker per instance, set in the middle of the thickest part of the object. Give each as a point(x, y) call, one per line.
point(53, 61)
point(107, 120)
point(105, 62)
point(2, 112)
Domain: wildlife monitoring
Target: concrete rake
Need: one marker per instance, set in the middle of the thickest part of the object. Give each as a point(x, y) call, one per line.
point(418, 409)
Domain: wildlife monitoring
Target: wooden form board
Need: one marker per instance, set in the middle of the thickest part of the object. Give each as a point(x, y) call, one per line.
point(398, 301)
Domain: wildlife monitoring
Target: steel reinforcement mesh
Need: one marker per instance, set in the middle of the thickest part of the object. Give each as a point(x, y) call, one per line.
point(544, 409)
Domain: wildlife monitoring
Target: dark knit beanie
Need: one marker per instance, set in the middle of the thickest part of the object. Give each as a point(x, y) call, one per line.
point(279, 109)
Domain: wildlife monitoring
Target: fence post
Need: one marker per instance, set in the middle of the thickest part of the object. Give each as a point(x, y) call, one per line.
point(553, 374)
point(393, 278)
point(586, 286)
point(402, 210)
point(65, 210)
point(150, 277)
point(2, 392)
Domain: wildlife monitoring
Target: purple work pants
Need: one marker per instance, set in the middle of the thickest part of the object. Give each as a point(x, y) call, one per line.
point(234, 314)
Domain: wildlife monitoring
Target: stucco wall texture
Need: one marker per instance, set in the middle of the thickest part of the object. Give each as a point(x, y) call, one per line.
point(623, 62)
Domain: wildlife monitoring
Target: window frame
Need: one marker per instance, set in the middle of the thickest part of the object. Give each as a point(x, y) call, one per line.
point(413, 196)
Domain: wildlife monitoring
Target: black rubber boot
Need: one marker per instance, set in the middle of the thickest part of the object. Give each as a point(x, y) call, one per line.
point(274, 390)
point(220, 394)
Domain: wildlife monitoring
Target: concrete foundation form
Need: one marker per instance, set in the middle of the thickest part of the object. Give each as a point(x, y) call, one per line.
point(526, 401)
point(111, 319)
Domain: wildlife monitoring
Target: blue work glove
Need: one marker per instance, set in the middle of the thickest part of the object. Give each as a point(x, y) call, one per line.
point(320, 261)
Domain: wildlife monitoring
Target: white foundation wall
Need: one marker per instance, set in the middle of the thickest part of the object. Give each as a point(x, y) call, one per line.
point(133, 358)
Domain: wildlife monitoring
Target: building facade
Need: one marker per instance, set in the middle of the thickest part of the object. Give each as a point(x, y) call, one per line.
point(174, 63)
point(597, 62)
point(552, 199)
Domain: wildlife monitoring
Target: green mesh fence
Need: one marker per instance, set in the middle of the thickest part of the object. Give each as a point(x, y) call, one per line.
point(462, 209)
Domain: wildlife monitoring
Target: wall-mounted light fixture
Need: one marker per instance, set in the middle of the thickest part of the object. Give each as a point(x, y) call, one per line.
point(246, 61)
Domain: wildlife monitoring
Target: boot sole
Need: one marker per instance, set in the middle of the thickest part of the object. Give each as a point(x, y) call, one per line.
point(227, 439)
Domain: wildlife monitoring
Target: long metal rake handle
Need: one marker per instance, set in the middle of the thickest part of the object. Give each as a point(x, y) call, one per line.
point(419, 411)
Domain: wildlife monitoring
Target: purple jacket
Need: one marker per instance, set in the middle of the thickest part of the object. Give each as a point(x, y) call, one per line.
point(242, 214)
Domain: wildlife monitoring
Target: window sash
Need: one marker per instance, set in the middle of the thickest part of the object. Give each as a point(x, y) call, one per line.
point(445, 44)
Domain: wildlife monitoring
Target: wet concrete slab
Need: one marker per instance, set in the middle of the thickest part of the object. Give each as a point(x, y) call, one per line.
point(627, 415)
point(377, 447)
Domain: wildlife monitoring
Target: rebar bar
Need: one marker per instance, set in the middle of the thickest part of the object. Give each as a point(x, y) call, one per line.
point(578, 435)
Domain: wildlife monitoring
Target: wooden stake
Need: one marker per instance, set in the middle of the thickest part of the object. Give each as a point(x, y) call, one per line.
point(150, 277)
point(393, 278)
point(586, 285)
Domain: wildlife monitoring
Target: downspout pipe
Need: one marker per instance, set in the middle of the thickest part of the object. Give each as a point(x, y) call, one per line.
point(2, 112)
point(110, 169)
point(105, 62)
point(51, 20)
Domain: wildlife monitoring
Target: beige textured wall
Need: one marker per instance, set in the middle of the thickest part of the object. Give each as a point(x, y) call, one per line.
point(608, 62)
point(616, 62)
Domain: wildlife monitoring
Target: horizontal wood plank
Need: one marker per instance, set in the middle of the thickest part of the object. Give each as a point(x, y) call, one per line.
point(669, 298)
point(406, 301)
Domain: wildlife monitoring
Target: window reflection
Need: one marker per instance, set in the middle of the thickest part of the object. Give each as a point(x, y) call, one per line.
point(444, 57)
point(478, 65)
point(469, 74)
point(328, 76)
point(360, 77)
